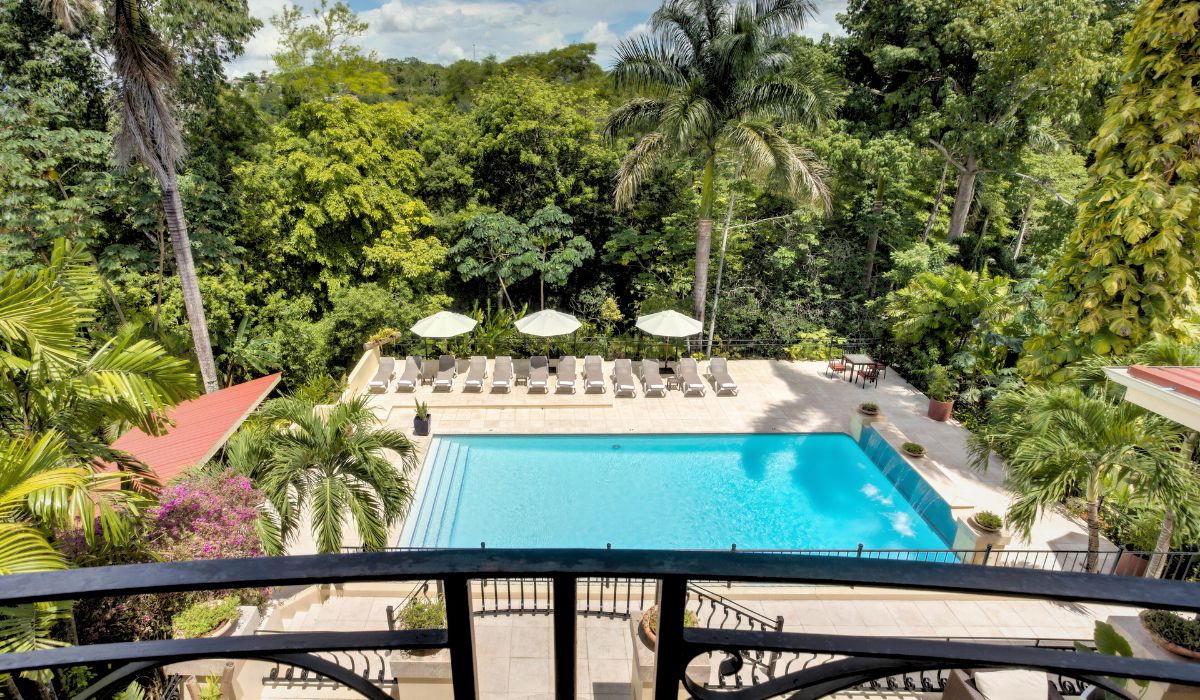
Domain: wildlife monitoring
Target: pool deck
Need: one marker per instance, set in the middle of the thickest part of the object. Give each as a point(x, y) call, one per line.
point(775, 396)
point(514, 651)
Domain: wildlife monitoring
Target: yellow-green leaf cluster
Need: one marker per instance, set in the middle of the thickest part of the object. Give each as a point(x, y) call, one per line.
point(1129, 268)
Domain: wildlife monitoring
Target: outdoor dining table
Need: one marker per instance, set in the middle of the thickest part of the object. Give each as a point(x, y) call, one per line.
point(856, 362)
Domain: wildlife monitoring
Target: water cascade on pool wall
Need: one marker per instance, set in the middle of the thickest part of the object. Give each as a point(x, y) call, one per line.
point(924, 499)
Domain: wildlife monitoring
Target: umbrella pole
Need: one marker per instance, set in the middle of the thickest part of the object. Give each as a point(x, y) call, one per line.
point(638, 352)
point(575, 343)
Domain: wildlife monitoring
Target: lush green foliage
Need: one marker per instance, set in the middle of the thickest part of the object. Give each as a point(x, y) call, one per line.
point(989, 520)
point(204, 617)
point(1129, 268)
point(422, 615)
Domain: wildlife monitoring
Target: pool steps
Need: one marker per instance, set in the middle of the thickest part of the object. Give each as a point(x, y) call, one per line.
point(438, 492)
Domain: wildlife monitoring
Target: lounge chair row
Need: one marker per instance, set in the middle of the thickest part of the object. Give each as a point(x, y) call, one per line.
point(443, 373)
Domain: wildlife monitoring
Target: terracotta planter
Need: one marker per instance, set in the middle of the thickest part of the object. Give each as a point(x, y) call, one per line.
point(940, 410)
point(421, 427)
point(649, 638)
point(1130, 564)
point(1169, 646)
point(225, 628)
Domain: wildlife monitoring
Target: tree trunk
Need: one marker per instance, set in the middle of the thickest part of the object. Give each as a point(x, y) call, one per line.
point(937, 202)
point(703, 241)
point(963, 197)
point(873, 238)
point(1023, 230)
point(541, 294)
point(192, 301)
point(1158, 560)
point(712, 324)
point(13, 690)
point(1093, 526)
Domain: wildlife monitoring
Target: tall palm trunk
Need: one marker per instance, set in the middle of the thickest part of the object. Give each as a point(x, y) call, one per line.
point(192, 301)
point(712, 325)
point(1158, 560)
point(1021, 233)
point(873, 237)
point(1093, 526)
point(704, 229)
point(963, 196)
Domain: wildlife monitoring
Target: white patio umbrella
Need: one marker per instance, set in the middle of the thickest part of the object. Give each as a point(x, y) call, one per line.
point(669, 324)
point(548, 323)
point(443, 324)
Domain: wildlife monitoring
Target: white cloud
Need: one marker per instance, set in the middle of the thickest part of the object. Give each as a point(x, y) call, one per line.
point(446, 30)
point(450, 51)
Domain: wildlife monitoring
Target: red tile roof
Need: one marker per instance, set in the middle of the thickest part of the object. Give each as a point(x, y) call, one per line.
point(201, 427)
point(1183, 380)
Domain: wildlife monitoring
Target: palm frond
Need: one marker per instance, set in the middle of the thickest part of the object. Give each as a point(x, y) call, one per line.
point(765, 149)
point(38, 316)
point(71, 15)
point(638, 115)
point(145, 76)
point(782, 16)
point(646, 62)
point(24, 550)
point(637, 166)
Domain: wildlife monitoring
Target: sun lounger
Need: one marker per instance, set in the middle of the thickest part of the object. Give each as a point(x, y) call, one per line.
point(593, 374)
point(622, 378)
point(689, 377)
point(539, 373)
point(476, 373)
point(383, 376)
point(565, 379)
point(718, 374)
point(447, 370)
point(502, 378)
point(651, 379)
point(412, 374)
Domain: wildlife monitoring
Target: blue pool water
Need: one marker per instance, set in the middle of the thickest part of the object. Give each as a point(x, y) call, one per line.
point(785, 491)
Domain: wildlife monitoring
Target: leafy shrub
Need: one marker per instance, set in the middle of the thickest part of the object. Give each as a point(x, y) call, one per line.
point(1174, 628)
point(422, 615)
point(319, 389)
point(869, 408)
point(204, 617)
point(651, 619)
point(914, 448)
point(939, 386)
point(988, 520)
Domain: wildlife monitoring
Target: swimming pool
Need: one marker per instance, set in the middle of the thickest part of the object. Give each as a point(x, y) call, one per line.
point(776, 491)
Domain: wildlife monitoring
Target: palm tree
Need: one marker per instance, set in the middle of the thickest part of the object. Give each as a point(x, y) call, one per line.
point(145, 78)
point(1060, 442)
point(53, 380)
point(710, 81)
point(333, 464)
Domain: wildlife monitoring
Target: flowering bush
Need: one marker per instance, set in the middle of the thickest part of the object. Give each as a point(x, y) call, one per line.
point(206, 517)
point(197, 517)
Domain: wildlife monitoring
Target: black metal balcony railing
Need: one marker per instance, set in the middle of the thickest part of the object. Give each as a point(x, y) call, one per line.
point(856, 660)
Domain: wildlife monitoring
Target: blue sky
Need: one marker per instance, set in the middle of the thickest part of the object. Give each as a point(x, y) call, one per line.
point(445, 30)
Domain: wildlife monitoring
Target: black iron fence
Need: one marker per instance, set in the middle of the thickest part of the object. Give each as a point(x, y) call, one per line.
point(853, 661)
point(1179, 565)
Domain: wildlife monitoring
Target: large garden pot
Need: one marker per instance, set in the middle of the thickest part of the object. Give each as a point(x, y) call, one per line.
point(421, 426)
point(940, 410)
point(1130, 563)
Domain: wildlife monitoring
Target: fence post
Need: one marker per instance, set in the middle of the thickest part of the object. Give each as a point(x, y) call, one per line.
point(987, 554)
point(391, 619)
point(1116, 559)
point(860, 549)
point(565, 635)
point(460, 629)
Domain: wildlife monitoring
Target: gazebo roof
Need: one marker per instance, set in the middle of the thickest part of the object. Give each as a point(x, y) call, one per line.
point(200, 427)
point(1171, 392)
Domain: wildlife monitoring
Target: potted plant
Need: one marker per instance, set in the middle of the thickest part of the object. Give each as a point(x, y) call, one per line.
point(987, 521)
point(869, 408)
point(208, 618)
point(422, 419)
point(1173, 632)
point(913, 449)
point(940, 390)
point(422, 614)
point(649, 625)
